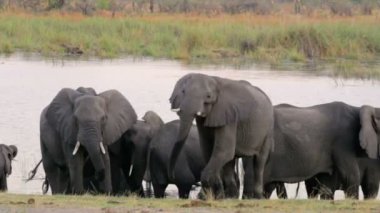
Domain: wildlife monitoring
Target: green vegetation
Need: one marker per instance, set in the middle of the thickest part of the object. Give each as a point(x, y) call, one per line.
point(18, 203)
point(348, 44)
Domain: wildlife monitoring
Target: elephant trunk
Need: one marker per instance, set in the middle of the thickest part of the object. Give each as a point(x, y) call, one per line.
point(185, 125)
point(96, 156)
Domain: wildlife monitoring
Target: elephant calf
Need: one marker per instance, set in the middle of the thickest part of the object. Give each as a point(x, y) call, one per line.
point(8, 153)
point(190, 161)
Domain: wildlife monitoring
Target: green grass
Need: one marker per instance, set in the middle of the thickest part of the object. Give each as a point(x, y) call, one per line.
point(193, 39)
point(22, 202)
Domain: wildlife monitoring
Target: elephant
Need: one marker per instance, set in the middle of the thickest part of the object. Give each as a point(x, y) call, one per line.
point(7, 154)
point(129, 155)
point(233, 119)
point(80, 124)
point(190, 161)
point(325, 184)
point(320, 139)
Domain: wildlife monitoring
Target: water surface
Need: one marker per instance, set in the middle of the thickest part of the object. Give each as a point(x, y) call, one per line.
point(27, 86)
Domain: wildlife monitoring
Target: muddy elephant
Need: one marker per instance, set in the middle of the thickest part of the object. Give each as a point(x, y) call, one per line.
point(233, 119)
point(79, 125)
point(7, 154)
point(321, 139)
point(325, 185)
point(129, 155)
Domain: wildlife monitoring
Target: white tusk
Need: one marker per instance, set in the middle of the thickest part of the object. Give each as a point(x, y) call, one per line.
point(76, 148)
point(176, 110)
point(102, 148)
point(130, 170)
point(199, 113)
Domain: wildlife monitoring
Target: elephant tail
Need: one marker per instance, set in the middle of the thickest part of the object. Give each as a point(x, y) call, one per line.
point(33, 172)
point(297, 190)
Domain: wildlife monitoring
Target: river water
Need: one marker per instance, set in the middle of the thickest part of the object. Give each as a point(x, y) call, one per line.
point(28, 85)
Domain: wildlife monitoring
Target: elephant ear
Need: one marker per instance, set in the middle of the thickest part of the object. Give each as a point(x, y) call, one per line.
point(120, 115)
point(234, 104)
point(369, 121)
point(60, 114)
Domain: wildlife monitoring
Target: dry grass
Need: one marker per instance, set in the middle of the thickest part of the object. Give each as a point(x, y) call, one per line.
point(21, 203)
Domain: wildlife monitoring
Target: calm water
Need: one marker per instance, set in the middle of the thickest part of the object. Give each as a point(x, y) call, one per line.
point(27, 86)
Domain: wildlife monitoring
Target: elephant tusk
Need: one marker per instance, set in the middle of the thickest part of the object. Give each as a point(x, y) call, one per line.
point(76, 148)
point(200, 114)
point(130, 170)
point(176, 110)
point(102, 148)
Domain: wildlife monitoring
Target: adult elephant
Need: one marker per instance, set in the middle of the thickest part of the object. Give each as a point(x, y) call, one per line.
point(325, 184)
point(233, 119)
point(7, 154)
point(319, 139)
point(129, 155)
point(78, 124)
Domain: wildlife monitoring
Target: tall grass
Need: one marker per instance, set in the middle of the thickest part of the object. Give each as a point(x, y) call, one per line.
point(270, 39)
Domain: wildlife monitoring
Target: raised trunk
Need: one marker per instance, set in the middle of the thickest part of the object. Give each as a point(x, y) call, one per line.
point(184, 129)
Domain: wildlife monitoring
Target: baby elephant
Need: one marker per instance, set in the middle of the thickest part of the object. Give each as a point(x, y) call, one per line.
point(8, 153)
point(190, 161)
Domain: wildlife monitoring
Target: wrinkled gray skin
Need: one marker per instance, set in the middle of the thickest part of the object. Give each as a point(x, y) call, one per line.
point(190, 161)
point(325, 185)
point(88, 118)
point(129, 155)
point(233, 119)
point(7, 154)
point(319, 138)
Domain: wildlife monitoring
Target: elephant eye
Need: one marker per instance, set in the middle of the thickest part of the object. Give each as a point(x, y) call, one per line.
point(183, 91)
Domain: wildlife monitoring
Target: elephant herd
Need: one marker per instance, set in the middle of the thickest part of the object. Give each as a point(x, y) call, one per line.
point(94, 142)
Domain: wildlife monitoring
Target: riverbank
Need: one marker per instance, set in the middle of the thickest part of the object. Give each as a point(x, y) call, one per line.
point(349, 46)
point(87, 203)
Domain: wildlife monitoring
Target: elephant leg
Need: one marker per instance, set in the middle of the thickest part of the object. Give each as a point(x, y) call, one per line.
point(58, 178)
point(3, 183)
point(268, 190)
point(248, 178)
point(184, 190)
point(258, 168)
point(312, 188)
point(76, 164)
point(159, 190)
point(281, 190)
point(370, 186)
point(350, 173)
point(230, 180)
point(222, 153)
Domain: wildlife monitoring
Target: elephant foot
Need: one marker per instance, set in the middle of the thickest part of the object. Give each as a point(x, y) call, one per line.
point(209, 194)
point(212, 185)
point(248, 195)
point(231, 191)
